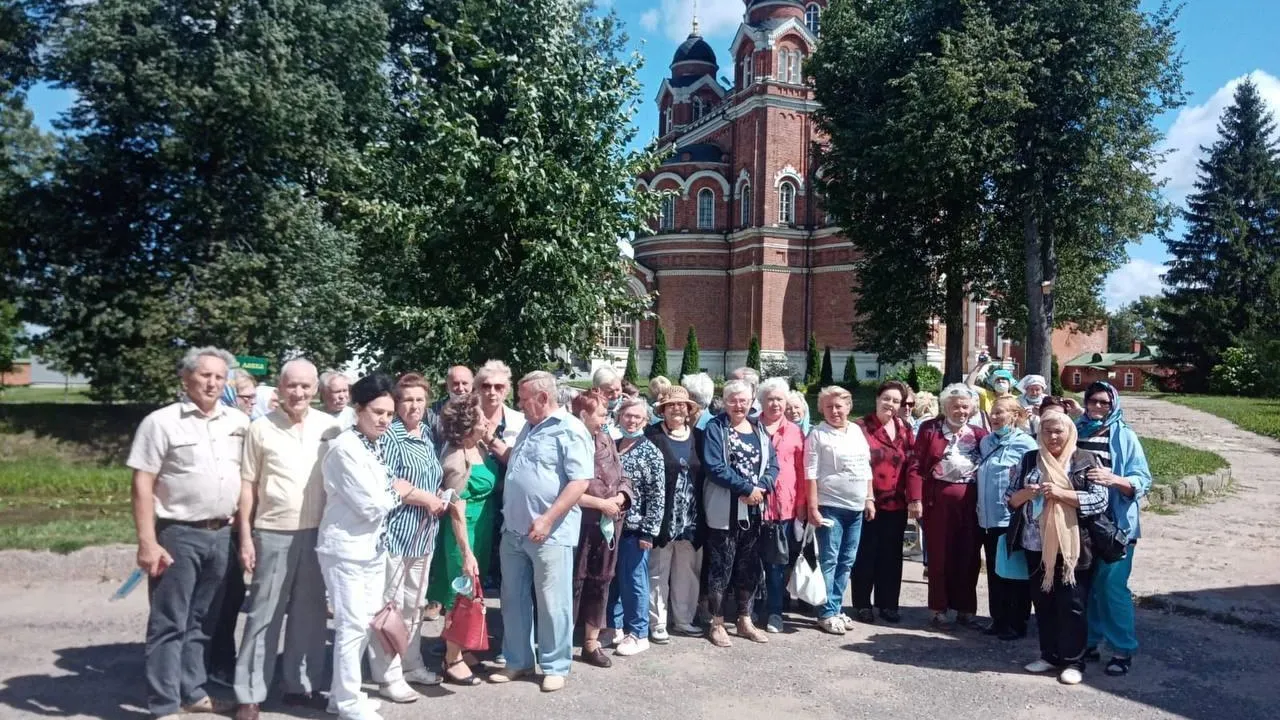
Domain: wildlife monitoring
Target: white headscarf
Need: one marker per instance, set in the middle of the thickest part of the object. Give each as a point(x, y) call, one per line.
point(1027, 382)
point(262, 397)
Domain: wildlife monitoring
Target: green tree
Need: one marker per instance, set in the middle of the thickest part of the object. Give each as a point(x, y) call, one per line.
point(632, 373)
point(826, 377)
point(1055, 378)
point(850, 376)
point(1138, 321)
point(10, 329)
point(913, 378)
point(493, 206)
point(659, 366)
point(1224, 275)
point(689, 360)
point(189, 202)
point(812, 361)
point(753, 354)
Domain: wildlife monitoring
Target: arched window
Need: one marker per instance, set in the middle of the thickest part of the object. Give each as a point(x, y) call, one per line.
point(668, 219)
point(786, 203)
point(619, 332)
point(744, 205)
point(706, 209)
point(813, 18)
point(747, 74)
point(699, 108)
point(790, 70)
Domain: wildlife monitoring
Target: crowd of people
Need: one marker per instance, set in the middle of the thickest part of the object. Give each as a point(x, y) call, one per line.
point(629, 519)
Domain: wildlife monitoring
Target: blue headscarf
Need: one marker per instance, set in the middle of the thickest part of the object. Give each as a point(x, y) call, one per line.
point(1087, 426)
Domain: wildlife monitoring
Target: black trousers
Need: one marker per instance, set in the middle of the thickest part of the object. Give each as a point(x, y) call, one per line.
point(221, 622)
point(1061, 618)
point(878, 568)
point(732, 558)
point(1008, 600)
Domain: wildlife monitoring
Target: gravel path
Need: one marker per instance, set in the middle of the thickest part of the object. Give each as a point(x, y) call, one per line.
point(1219, 557)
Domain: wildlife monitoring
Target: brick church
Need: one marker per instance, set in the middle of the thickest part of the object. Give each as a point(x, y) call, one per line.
point(742, 246)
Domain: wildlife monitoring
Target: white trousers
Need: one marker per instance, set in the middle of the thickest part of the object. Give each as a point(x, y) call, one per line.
point(410, 596)
point(674, 571)
point(355, 589)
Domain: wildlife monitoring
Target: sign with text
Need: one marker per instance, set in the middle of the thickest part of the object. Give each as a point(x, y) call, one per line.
point(252, 364)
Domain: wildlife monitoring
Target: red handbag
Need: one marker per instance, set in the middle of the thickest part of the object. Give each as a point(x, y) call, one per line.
point(466, 624)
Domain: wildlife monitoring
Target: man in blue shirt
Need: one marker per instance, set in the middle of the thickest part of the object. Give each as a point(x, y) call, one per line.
point(548, 469)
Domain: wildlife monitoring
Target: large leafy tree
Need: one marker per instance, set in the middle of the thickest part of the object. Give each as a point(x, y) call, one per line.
point(494, 206)
point(188, 203)
point(1138, 321)
point(1224, 275)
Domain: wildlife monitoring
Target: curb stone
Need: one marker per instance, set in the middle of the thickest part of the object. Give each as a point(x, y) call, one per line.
point(1188, 488)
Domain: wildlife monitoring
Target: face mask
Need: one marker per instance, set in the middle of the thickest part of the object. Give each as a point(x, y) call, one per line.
point(1004, 431)
point(632, 435)
point(606, 528)
point(1002, 386)
point(613, 404)
point(1033, 401)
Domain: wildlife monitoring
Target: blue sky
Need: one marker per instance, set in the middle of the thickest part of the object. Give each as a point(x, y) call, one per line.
point(1222, 41)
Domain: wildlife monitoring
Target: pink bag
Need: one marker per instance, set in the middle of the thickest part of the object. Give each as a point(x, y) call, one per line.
point(388, 624)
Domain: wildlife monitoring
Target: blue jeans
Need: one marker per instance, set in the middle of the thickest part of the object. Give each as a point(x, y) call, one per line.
point(837, 549)
point(629, 593)
point(547, 569)
point(775, 576)
point(1111, 605)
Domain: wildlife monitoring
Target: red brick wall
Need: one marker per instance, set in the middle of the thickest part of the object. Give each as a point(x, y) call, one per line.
point(20, 376)
point(1068, 343)
point(693, 300)
point(1115, 376)
point(832, 310)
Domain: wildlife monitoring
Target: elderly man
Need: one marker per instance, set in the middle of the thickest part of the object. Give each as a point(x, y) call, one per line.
point(281, 500)
point(458, 382)
point(335, 394)
point(548, 469)
point(608, 382)
point(701, 390)
point(186, 485)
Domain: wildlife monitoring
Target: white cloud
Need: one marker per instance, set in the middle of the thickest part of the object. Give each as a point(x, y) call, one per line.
point(1132, 280)
point(675, 17)
point(1197, 126)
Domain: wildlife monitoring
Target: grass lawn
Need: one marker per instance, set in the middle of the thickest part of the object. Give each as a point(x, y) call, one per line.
point(1172, 461)
point(1257, 415)
point(44, 395)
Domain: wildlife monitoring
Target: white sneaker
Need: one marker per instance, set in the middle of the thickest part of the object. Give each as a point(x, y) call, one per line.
point(609, 636)
point(1039, 666)
point(832, 625)
point(367, 705)
point(846, 621)
point(774, 625)
point(659, 635)
point(399, 692)
point(422, 676)
point(688, 629)
point(1071, 676)
point(632, 645)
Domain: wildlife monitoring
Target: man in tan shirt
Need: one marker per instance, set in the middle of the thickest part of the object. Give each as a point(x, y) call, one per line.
point(186, 469)
point(281, 501)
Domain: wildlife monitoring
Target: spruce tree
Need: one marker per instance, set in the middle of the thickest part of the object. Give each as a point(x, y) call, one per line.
point(1224, 276)
point(631, 374)
point(659, 366)
point(689, 361)
point(850, 377)
point(1055, 382)
point(753, 354)
point(827, 378)
point(812, 362)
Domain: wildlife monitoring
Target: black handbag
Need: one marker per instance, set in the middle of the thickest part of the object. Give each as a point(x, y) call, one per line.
point(775, 548)
point(1110, 543)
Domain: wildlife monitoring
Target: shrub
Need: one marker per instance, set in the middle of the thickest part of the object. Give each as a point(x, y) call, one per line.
point(753, 354)
point(659, 366)
point(850, 377)
point(928, 379)
point(1055, 378)
point(1238, 373)
point(689, 361)
point(827, 376)
point(631, 374)
point(812, 361)
point(777, 366)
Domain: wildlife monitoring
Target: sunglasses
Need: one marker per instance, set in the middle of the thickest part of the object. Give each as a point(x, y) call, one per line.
point(909, 403)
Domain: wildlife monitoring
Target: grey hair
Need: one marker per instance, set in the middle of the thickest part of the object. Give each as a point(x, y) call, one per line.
point(603, 376)
point(632, 402)
point(565, 394)
point(191, 360)
point(773, 384)
point(953, 392)
point(542, 381)
point(701, 388)
point(748, 374)
point(298, 364)
point(733, 387)
point(492, 367)
point(327, 376)
point(795, 396)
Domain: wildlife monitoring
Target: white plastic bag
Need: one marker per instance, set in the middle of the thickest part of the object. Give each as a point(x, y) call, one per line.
point(807, 584)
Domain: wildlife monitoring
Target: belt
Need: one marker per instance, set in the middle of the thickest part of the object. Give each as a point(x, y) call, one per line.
point(214, 524)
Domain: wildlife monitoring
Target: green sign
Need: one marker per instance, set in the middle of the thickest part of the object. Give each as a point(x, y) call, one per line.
point(252, 364)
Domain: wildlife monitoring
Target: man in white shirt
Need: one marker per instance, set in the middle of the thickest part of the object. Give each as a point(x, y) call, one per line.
point(186, 486)
point(281, 501)
point(335, 394)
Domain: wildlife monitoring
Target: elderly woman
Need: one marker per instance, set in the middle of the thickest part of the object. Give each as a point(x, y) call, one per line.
point(798, 411)
point(606, 381)
point(603, 507)
point(466, 542)
point(789, 496)
point(895, 483)
point(246, 391)
point(838, 468)
point(361, 491)
point(948, 453)
point(409, 451)
point(1052, 499)
point(1124, 473)
point(741, 469)
point(643, 470)
point(675, 562)
point(658, 386)
point(926, 408)
point(702, 389)
point(1009, 599)
point(265, 400)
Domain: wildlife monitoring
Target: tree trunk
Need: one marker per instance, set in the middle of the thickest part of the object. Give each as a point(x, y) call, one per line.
point(953, 316)
point(1041, 262)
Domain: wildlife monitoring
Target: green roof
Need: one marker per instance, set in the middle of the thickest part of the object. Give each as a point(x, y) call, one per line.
point(1106, 360)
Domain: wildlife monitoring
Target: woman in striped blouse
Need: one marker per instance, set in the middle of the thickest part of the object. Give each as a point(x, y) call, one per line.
point(409, 451)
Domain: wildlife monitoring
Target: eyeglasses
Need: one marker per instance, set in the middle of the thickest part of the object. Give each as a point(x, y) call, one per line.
point(909, 403)
point(493, 386)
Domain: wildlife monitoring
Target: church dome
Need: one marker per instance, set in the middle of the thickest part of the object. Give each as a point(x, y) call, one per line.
point(694, 49)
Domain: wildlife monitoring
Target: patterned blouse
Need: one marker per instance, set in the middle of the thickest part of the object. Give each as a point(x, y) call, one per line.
point(643, 467)
point(743, 455)
point(413, 459)
point(960, 461)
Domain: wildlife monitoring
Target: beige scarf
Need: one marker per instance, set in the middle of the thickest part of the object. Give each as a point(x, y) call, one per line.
point(1059, 526)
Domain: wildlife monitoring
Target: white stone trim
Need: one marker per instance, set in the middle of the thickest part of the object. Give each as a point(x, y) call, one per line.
point(765, 40)
point(832, 268)
point(743, 177)
point(668, 175)
point(789, 171)
point(714, 174)
point(682, 94)
point(645, 271)
point(691, 273)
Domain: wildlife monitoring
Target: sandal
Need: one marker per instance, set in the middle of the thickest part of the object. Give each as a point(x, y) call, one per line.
point(1118, 666)
point(468, 681)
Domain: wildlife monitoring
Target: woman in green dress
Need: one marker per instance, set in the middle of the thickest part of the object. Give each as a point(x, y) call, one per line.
point(466, 542)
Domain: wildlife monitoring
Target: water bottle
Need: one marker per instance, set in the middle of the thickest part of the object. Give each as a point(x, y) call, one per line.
point(129, 584)
point(462, 585)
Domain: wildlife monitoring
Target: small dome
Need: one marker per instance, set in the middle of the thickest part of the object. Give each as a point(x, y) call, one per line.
point(754, 3)
point(694, 49)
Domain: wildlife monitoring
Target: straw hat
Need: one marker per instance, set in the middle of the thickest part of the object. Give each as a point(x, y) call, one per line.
point(676, 394)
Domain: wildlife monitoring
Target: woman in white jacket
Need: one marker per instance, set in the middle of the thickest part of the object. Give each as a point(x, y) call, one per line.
point(359, 493)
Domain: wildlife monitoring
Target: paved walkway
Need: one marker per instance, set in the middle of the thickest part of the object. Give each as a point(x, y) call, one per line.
point(1221, 557)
